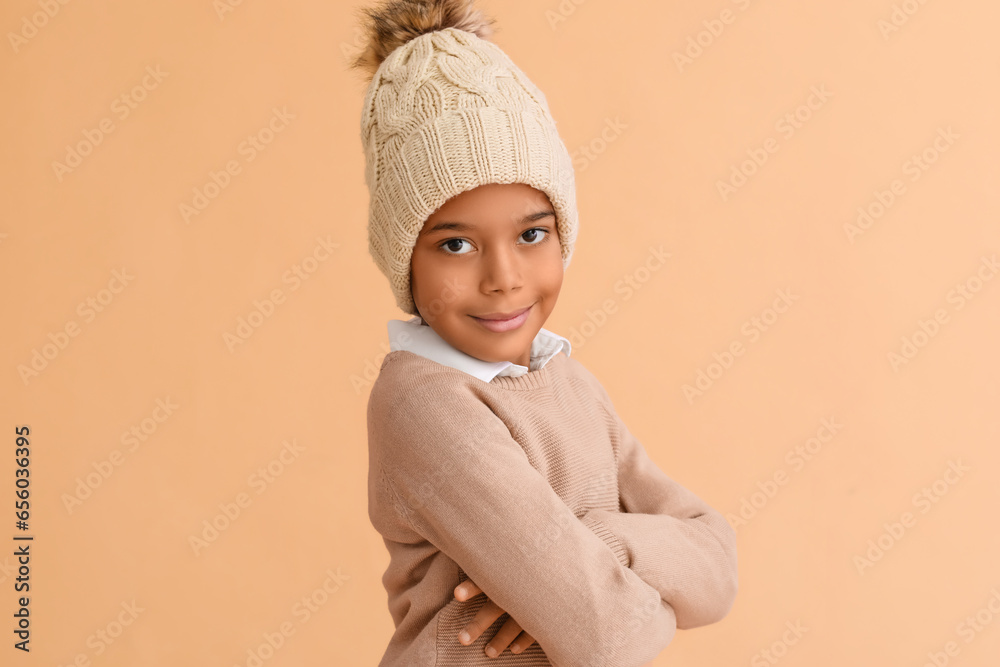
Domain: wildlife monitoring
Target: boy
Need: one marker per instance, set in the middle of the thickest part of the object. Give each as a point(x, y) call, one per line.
point(497, 464)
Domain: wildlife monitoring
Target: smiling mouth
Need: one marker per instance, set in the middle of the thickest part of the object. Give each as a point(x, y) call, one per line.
point(502, 324)
point(502, 317)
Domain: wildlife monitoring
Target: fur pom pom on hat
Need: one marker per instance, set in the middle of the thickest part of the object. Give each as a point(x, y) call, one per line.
point(446, 111)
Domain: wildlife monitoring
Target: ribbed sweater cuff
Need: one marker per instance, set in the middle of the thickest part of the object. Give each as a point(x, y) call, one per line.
point(593, 521)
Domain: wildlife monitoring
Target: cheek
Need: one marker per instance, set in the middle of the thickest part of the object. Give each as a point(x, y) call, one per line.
point(437, 285)
point(551, 276)
point(422, 275)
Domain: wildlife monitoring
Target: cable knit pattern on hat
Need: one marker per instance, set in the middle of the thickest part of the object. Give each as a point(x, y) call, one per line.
point(445, 113)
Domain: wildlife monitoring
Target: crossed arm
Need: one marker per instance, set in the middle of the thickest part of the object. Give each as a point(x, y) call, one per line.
point(675, 541)
point(668, 536)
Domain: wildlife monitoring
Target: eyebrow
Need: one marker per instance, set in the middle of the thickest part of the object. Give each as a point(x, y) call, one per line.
point(462, 226)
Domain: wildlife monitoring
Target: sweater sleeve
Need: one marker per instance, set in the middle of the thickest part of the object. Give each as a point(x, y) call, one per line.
point(672, 539)
point(465, 485)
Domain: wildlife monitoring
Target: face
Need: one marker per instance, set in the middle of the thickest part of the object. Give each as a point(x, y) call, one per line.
point(486, 255)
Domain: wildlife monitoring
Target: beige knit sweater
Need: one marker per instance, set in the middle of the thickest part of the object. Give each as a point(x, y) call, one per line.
point(533, 487)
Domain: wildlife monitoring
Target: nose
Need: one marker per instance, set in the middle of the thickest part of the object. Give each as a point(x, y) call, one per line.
point(502, 270)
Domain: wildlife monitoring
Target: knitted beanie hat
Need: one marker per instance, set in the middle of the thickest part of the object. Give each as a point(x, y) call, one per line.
point(445, 112)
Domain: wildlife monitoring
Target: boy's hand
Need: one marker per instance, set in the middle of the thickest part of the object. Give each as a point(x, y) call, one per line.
point(509, 632)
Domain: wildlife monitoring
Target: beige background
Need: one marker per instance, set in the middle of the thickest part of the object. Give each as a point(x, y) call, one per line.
point(652, 136)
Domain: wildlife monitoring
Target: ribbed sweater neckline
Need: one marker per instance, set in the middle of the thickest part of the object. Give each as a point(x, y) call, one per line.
point(530, 380)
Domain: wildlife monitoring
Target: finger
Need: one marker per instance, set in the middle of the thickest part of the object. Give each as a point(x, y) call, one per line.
point(484, 618)
point(502, 639)
point(467, 590)
point(521, 642)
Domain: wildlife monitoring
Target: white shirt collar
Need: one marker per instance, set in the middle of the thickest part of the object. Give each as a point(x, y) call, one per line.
point(412, 336)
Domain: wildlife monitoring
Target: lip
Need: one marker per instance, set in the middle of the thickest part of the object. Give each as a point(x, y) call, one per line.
point(500, 322)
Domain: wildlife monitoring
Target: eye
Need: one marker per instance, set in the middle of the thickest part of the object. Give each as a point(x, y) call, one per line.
point(449, 244)
point(534, 231)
